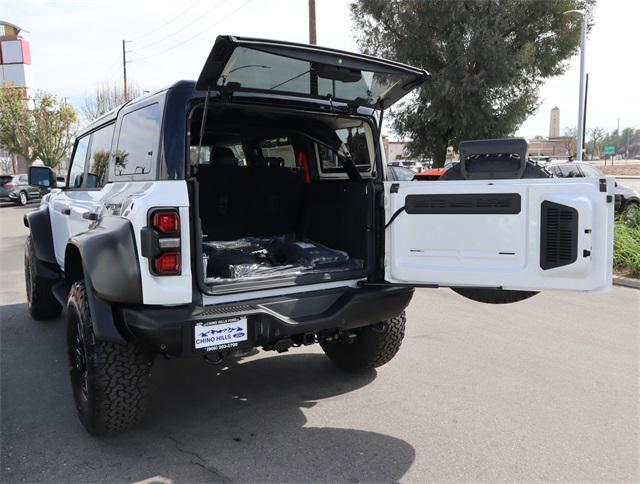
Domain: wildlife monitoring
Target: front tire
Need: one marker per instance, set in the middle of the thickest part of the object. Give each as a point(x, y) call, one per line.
point(41, 302)
point(22, 199)
point(373, 346)
point(109, 380)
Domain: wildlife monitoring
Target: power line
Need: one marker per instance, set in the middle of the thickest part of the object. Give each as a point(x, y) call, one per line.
point(202, 17)
point(196, 35)
point(172, 19)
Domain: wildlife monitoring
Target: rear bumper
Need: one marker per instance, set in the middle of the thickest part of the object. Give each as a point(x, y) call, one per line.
point(171, 329)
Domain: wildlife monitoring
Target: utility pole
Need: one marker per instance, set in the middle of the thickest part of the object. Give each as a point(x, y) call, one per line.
point(582, 98)
point(124, 68)
point(312, 22)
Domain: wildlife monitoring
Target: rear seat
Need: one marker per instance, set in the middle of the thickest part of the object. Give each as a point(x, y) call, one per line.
point(240, 201)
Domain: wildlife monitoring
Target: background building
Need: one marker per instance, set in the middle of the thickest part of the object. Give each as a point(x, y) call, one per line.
point(15, 72)
point(554, 123)
point(555, 146)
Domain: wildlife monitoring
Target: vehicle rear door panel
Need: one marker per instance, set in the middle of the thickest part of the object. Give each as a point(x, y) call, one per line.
point(526, 234)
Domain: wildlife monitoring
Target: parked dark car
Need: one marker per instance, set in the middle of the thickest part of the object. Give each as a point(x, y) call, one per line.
point(626, 197)
point(16, 189)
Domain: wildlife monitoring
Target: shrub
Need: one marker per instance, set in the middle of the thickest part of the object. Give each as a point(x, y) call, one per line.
point(626, 242)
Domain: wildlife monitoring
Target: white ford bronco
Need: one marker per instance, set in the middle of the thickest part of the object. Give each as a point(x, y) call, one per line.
point(251, 209)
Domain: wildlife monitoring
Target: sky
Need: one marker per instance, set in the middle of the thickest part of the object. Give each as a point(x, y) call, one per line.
point(77, 44)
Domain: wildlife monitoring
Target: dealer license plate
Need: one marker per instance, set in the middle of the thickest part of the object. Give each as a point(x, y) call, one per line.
point(220, 334)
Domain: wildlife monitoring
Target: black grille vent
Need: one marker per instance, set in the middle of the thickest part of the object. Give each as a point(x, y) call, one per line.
point(227, 309)
point(464, 203)
point(558, 235)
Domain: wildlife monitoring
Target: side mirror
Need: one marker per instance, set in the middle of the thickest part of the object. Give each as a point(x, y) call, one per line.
point(42, 176)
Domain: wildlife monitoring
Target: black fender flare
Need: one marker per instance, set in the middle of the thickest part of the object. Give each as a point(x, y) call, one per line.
point(107, 259)
point(39, 224)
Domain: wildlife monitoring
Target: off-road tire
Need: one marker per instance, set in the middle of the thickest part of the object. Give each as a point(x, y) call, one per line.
point(109, 380)
point(372, 347)
point(493, 296)
point(22, 199)
point(41, 302)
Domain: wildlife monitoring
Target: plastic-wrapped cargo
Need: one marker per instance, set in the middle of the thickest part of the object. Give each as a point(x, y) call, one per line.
point(305, 252)
point(253, 258)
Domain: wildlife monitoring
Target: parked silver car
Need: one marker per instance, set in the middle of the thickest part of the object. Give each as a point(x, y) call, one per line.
point(626, 197)
point(16, 189)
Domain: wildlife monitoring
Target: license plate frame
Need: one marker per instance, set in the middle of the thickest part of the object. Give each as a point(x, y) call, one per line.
point(220, 334)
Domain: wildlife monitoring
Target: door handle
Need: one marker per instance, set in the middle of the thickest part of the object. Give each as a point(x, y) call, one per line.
point(90, 216)
point(65, 211)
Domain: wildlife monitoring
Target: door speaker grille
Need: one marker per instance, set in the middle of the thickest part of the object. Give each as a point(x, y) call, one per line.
point(558, 235)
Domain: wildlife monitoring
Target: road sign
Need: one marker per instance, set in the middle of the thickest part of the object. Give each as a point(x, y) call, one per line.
point(609, 150)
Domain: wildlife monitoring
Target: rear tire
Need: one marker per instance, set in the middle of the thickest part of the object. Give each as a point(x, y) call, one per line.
point(109, 380)
point(372, 347)
point(41, 302)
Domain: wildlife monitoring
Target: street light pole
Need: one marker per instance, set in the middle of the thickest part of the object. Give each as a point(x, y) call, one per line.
point(582, 98)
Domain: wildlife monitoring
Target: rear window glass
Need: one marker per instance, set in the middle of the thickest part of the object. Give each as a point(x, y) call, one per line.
point(254, 69)
point(5, 179)
point(138, 141)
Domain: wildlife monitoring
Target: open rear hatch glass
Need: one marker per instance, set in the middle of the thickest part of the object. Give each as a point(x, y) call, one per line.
point(256, 65)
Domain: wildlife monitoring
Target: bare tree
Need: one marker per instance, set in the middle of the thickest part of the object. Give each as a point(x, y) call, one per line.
point(107, 97)
point(597, 135)
point(569, 143)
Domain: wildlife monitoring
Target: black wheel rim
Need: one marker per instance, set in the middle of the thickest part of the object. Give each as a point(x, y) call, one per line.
point(28, 278)
point(78, 357)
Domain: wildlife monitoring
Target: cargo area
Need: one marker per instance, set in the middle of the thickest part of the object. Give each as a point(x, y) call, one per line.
point(275, 203)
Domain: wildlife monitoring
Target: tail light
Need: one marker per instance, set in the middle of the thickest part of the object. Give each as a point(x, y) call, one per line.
point(166, 222)
point(161, 242)
point(9, 184)
point(167, 263)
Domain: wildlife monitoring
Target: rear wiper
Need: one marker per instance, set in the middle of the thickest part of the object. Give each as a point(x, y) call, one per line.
point(289, 80)
point(225, 75)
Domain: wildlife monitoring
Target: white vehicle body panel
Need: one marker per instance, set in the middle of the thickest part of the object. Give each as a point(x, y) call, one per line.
point(499, 250)
point(131, 200)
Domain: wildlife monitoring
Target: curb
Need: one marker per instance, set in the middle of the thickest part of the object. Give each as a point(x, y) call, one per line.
point(626, 282)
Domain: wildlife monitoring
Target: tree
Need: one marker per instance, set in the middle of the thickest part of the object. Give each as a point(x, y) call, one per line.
point(596, 135)
point(487, 60)
point(570, 142)
point(107, 97)
point(41, 127)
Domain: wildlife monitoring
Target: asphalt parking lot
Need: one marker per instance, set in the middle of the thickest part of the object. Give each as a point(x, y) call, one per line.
point(546, 389)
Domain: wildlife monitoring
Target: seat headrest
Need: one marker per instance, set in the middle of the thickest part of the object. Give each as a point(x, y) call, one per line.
point(223, 156)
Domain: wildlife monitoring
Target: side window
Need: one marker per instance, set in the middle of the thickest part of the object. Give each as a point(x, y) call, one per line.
point(99, 156)
point(279, 149)
point(555, 170)
point(23, 179)
point(76, 170)
point(590, 171)
point(137, 141)
point(570, 171)
point(359, 142)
